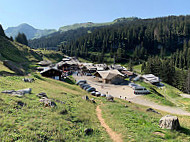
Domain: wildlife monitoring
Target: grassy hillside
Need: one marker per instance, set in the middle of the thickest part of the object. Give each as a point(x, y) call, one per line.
point(21, 55)
point(54, 56)
point(34, 122)
point(135, 124)
point(83, 25)
point(16, 52)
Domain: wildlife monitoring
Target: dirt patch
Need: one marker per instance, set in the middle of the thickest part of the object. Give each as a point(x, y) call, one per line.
point(159, 134)
point(113, 135)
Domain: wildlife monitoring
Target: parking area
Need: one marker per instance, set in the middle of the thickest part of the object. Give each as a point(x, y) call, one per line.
point(119, 91)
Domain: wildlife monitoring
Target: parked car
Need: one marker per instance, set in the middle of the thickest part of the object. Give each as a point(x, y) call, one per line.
point(91, 89)
point(98, 94)
point(93, 93)
point(80, 81)
point(86, 87)
point(133, 85)
point(88, 74)
point(140, 90)
point(82, 86)
point(103, 95)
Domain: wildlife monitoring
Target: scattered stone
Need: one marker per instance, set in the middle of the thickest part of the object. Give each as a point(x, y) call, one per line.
point(47, 102)
point(18, 93)
point(85, 98)
point(30, 80)
point(26, 91)
point(152, 110)
point(42, 94)
point(58, 101)
point(169, 122)
point(110, 98)
point(88, 131)
point(9, 112)
point(53, 104)
point(20, 103)
point(8, 91)
point(63, 112)
point(63, 93)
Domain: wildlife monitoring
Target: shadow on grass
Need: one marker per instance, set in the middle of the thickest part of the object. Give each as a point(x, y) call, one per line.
point(184, 131)
point(5, 73)
point(38, 77)
point(68, 80)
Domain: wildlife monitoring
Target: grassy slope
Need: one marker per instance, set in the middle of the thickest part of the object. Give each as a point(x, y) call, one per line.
point(54, 56)
point(22, 55)
point(16, 52)
point(34, 122)
point(158, 96)
point(135, 124)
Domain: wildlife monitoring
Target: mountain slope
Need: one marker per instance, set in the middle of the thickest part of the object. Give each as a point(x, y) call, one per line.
point(91, 24)
point(28, 30)
point(72, 32)
point(20, 57)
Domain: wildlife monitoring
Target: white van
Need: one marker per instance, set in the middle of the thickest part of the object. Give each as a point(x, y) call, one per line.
point(140, 90)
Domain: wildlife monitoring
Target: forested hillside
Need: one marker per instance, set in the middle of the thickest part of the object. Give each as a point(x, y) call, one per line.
point(73, 32)
point(143, 36)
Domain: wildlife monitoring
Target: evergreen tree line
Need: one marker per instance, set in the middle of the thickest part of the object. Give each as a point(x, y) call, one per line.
point(2, 33)
point(166, 70)
point(21, 38)
point(181, 58)
point(59, 38)
point(142, 36)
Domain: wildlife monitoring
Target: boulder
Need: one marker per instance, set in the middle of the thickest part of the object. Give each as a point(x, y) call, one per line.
point(42, 94)
point(169, 122)
point(88, 131)
point(30, 80)
point(47, 102)
point(20, 103)
point(85, 98)
point(18, 93)
point(26, 91)
point(152, 110)
point(63, 112)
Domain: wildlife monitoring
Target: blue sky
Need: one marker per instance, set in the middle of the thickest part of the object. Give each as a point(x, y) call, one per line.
point(56, 13)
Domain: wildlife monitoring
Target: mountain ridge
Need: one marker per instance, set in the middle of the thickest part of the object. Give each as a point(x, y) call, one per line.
point(28, 30)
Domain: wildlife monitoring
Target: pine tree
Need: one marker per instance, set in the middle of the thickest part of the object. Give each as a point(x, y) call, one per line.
point(21, 38)
point(2, 33)
point(130, 65)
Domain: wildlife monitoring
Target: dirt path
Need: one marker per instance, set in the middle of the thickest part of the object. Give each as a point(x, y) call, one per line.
point(113, 135)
